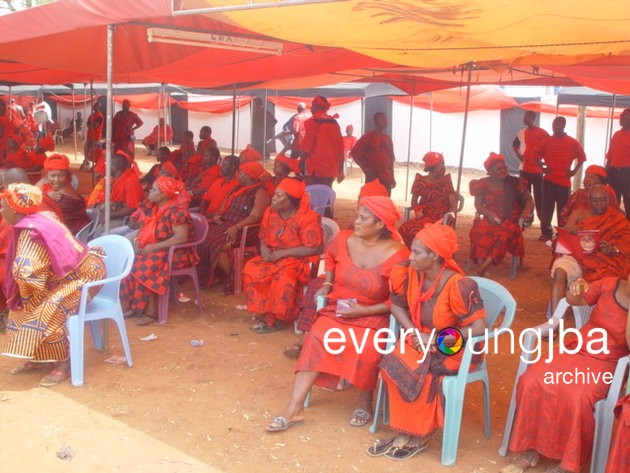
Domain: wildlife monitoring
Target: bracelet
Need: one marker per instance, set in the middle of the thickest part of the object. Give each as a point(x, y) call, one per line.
point(326, 283)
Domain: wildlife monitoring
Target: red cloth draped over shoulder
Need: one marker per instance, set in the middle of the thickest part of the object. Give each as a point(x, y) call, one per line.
point(217, 192)
point(127, 189)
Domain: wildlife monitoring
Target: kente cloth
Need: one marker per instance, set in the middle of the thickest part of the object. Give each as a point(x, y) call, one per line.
point(150, 272)
point(323, 145)
point(433, 203)
point(618, 155)
point(619, 456)
point(369, 286)
point(414, 389)
point(273, 288)
point(533, 138)
point(46, 293)
point(239, 208)
point(122, 128)
point(217, 192)
point(558, 154)
point(555, 418)
point(615, 229)
point(307, 304)
point(95, 124)
point(6, 233)
point(579, 200)
point(166, 134)
point(489, 239)
point(374, 153)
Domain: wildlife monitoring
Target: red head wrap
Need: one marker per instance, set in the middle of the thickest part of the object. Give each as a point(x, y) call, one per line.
point(373, 188)
point(124, 154)
point(442, 240)
point(170, 187)
point(23, 198)
point(250, 154)
point(168, 167)
point(491, 159)
point(385, 210)
point(292, 164)
point(57, 162)
point(321, 102)
point(432, 158)
point(292, 187)
point(253, 169)
point(598, 170)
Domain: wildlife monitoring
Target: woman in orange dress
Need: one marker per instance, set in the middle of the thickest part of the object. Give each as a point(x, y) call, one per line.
point(358, 263)
point(429, 293)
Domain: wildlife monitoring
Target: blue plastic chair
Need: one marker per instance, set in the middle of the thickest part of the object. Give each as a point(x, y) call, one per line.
point(321, 198)
point(496, 300)
point(105, 305)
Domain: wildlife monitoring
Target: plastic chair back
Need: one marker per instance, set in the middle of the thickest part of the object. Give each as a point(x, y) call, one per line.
point(87, 232)
point(330, 228)
point(238, 256)
point(74, 181)
point(118, 261)
point(321, 197)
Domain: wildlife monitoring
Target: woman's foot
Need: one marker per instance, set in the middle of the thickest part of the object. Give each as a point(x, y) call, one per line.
point(59, 373)
point(146, 319)
point(293, 351)
point(29, 367)
point(280, 424)
point(360, 417)
point(411, 447)
point(528, 460)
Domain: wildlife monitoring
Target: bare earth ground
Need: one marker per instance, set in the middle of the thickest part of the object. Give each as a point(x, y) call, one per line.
point(183, 408)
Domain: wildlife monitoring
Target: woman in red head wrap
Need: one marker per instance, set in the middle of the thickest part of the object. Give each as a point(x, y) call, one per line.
point(283, 166)
point(163, 223)
point(58, 186)
point(290, 242)
point(432, 196)
point(428, 293)
point(502, 203)
point(358, 263)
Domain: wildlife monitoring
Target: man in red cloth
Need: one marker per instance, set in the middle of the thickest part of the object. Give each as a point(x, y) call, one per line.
point(374, 153)
point(213, 199)
point(124, 124)
point(163, 132)
point(93, 135)
point(618, 161)
point(210, 172)
point(322, 146)
point(558, 153)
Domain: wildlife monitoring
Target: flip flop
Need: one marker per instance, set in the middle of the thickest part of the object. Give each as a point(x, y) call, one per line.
point(54, 378)
point(29, 367)
point(522, 463)
point(282, 424)
point(146, 320)
point(264, 328)
point(380, 447)
point(360, 417)
point(293, 351)
point(403, 453)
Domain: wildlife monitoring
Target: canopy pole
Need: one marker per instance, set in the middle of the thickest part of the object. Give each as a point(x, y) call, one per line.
point(93, 100)
point(233, 118)
point(609, 132)
point(413, 90)
point(108, 122)
point(431, 124)
point(361, 134)
point(74, 125)
point(85, 112)
point(461, 153)
point(264, 140)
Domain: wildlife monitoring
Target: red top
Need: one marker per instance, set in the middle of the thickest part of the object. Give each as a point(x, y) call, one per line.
point(127, 189)
point(533, 138)
point(216, 193)
point(298, 130)
point(618, 155)
point(558, 154)
point(323, 145)
point(95, 124)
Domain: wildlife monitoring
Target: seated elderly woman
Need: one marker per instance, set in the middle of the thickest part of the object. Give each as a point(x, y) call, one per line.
point(358, 263)
point(429, 293)
point(555, 419)
point(431, 196)
point(48, 268)
point(245, 205)
point(501, 201)
point(290, 242)
point(57, 185)
point(165, 224)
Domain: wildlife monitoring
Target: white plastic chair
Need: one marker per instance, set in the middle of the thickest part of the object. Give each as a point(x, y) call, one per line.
point(321, 198)
point(105, 305)
point(496, 300)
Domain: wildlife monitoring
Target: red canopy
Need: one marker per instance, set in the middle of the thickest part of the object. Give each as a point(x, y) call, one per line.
point(454, 100)
point(217, 106)
point(149, 101)
point(292, 102)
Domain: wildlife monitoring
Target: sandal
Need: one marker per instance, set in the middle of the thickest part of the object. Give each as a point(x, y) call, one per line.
point(380, 447)
point(264, 328)
point(29, 367)
point(293, 351)
point(146, 319)
point(528, 460)
point(408, 451)
point(280, 424)
point(360, 417)
point(53, 378)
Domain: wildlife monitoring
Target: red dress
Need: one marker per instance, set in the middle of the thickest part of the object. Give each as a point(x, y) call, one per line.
point(556, 420)
point(619, 458)
point(489, 239)
point(432, 205)
point(368, 286)
point(273, 287)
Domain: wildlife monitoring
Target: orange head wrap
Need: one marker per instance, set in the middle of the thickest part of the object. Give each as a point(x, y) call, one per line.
point(597, 170)
point(170, 169)
point(253, 169)
point(491, 159)
point(124, 154)
point(249, 154)
point(373, 188)
point(431, 159)
point(442, 240)
point(170, 187)
point(297, 190)
point(321, 102)
point(292, 164)
point(57, 162)
point(23, 198)
point(385, 210)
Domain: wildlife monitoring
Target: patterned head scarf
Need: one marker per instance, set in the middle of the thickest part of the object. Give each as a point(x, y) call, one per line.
point(292, 164)
point(170, 187)
point(385, 210)
point(597, 170)
point(253, 169)
point(23, 198)
point(431, 159)
point(250, 154)
point(321, 102)
point(491, 160)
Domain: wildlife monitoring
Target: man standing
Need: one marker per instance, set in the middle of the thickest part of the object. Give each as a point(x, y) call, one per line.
point(525, 146)
point(93, 135)
point(557, 152)
point(322, 147)
point(263, 126)
point(374, 153)
point(124, 124)
point(618, 161)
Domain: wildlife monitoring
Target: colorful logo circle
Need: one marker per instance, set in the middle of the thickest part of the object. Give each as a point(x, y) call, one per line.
point(450, 334)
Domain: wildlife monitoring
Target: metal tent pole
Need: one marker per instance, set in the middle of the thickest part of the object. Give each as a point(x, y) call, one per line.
point(413, 90)
point(461, 153)
point(233, 119)
point(108, 121)
point(74, 125)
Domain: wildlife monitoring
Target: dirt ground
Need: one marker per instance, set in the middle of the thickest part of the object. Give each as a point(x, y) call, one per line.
point(182, 408)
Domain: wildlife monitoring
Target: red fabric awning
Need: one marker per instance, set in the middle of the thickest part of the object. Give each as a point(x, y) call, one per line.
point(454, 100)
point(216, 106)
point(149, 101)
point(68, 99)
point(292, 102)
